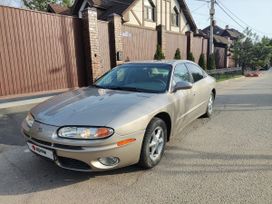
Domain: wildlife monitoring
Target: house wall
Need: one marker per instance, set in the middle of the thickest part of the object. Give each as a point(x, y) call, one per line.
point(164, 8)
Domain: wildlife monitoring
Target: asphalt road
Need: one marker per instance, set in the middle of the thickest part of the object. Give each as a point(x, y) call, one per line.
point(225, 159)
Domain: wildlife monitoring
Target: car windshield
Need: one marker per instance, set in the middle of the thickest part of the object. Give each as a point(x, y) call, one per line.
point(151, 78)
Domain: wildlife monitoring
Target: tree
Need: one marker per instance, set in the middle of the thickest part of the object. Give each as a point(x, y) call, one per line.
point(191, 57)
point(41, 5)
point(211, 62)
point(159, 55)
point(250, 52)
point(177, 54)
point(202, 62)
point(68, 3)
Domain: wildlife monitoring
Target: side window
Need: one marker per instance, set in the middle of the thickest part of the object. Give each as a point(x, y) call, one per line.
point(196, 72)
point(181, 73)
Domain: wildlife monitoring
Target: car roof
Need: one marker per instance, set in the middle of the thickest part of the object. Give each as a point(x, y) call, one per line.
point(171, 62)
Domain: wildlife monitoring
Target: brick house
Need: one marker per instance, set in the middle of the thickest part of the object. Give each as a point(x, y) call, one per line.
point(132, 30)
point(173, 14)
point(71, 47)
point(224, 39)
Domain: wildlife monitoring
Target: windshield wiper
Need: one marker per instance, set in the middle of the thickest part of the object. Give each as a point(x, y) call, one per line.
point(99, 87)
point(124, 88)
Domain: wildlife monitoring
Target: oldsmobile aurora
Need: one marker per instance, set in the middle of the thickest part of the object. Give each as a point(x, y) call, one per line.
point(125, 118)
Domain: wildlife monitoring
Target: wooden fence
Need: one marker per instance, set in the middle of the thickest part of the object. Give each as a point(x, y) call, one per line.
point(39, 52)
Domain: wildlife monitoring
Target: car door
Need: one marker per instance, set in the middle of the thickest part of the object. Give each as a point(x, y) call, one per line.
point(200, 91)
point(182, 98)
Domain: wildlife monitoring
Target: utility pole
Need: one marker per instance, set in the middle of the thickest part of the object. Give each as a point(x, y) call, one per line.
point(212, 12)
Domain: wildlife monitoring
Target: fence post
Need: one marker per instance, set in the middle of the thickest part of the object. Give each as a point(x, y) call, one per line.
point(116, 40)
point(91, 41)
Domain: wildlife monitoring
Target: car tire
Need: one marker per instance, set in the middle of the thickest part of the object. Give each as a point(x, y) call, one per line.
point(153, 143)
point(209, 109)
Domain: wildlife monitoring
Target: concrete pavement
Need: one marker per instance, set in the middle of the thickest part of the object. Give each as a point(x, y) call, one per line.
point(225, 159)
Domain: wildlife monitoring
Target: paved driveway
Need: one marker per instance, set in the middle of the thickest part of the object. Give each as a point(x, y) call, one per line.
point(226, 159)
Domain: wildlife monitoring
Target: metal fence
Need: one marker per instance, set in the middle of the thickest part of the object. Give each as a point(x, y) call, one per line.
point(225, 73)
point(139, 43)
point(39, 52)
point(225, 70)
point(173, 42)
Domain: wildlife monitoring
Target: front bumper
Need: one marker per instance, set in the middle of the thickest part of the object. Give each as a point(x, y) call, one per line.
point(83, 155)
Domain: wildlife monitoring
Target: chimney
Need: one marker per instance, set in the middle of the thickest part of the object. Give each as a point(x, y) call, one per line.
point(227, 27)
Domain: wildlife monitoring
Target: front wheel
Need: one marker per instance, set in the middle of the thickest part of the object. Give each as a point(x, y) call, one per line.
point(153, 144)
point(209, 110)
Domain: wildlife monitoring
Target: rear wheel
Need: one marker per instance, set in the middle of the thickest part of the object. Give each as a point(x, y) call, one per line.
point(209, 110)
point(153, 144)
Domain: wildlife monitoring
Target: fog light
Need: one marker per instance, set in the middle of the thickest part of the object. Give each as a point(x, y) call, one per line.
point(109, 161)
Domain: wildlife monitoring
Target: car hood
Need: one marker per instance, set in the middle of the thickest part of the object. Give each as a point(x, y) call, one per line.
point(92, 107)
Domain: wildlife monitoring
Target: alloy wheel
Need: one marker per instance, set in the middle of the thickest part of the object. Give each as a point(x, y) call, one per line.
point(210, 104)
point(156, 144)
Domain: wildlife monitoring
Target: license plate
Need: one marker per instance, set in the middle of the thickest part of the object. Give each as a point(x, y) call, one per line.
point(41, 151)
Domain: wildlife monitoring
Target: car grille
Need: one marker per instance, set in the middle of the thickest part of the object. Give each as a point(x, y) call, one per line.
point(73, 164)
point(42, 142)
point(56, 145)
point(61, 146)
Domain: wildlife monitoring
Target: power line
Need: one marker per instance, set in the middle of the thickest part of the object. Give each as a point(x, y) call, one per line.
point(192, 11)
point(219, 5)
point(207, 1)
point(242, 21)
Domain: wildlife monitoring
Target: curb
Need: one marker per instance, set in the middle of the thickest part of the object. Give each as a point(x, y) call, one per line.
point(23, 102)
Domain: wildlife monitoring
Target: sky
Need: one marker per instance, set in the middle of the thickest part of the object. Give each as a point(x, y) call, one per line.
point(256, 14)
point(12, 3)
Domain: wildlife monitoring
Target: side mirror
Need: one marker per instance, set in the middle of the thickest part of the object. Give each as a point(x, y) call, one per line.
point(182, 85)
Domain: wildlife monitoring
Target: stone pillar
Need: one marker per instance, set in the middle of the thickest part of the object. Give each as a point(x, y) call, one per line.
point(162, 37)
point(117, 56)
point(91, 42)
point(190, 36)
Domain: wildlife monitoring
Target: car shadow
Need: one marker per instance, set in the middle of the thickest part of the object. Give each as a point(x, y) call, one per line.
point(194, 162)
point(23, 172)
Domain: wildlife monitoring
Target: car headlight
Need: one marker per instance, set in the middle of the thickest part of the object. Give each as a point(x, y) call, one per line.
point(29, 120)
point(85, 133)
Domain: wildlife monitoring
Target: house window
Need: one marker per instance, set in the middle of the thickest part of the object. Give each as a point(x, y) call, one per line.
point(175, 17)
point(149, 10)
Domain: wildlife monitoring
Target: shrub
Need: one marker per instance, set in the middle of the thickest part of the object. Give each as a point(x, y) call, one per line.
point(177, 54)
point(159, 55)
point(211, 62)
point(202, 62)
point(191, 57)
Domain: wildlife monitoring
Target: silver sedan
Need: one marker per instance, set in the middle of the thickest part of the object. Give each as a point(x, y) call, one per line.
point(125, 118)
